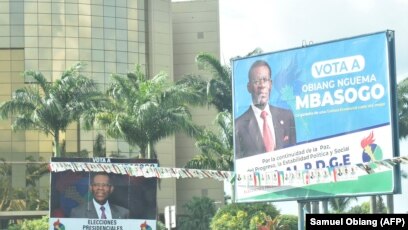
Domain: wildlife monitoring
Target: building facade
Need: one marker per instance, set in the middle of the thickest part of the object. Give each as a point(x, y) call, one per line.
point(108, 36)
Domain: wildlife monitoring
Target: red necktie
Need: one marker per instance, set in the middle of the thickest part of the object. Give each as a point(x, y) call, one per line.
point(268, 139)
point(103, 215)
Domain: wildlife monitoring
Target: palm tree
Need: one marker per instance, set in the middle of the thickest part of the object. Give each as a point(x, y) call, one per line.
point(341, 204)
point(31, 193)
point(402, 99)
point(5, 184)
point(35, 171)
point(144, 111)
point(200, 211)
point(365, 206)
point(23, 198)
point(51, 106)
point(218, 89)
point(99, 149)
point(402, 103)
point(215, 148)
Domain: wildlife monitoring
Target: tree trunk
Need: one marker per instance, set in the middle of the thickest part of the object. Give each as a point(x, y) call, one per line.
point(57, 148)
point(150, 151)
point(142, 151)
point(149, 154)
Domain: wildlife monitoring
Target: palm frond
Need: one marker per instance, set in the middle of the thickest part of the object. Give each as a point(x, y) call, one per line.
point(147, 110)
point(51, 106)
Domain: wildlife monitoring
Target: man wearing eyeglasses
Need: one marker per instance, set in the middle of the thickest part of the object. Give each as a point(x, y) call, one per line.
point(263, 127)
point(100, 207)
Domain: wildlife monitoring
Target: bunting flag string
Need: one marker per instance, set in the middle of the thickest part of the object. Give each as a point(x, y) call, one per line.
point(316, 176)
point(250, 179)
point(137, 170)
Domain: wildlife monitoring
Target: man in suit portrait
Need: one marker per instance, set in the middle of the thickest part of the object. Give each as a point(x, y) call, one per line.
point(263, 127)
point(100, 207)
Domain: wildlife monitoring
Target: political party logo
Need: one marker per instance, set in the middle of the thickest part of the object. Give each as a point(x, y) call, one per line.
point(371, 151)
point(58, 225)
point(145, 226)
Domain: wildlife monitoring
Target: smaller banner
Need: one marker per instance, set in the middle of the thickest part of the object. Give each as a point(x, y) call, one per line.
point(100, 194)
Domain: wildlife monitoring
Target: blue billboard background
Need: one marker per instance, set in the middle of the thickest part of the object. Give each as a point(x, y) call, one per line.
point(293, 81)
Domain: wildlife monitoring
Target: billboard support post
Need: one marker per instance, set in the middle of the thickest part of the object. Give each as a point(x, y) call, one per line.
point(301, 214)
point(170, 216)
point(325, 204)
point(390, 203)
point(373, 205)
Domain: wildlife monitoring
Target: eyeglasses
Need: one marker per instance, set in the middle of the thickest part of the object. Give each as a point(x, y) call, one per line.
point(261, 81)
point(101, 185)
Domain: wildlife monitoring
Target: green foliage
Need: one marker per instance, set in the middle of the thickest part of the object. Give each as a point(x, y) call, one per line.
point(340, 204)
point(216, 148)
point(160, 225)
point(242, 216)
point(51, 107)
point(29, 198)
point(34, 224)
point(35, 171)
point(12, 199)
point(144, 111)
point(381, 207)
point(364, 208)
point(99, 149)
point(199, 211)
point(218, 89)
point(288, 222)
point(402, 99)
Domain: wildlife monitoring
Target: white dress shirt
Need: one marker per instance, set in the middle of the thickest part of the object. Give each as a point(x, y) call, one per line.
point(108, 212)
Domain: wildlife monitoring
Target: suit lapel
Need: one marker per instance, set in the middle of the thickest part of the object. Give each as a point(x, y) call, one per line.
point(114, 212)
point(254, 132)
point(91, 211)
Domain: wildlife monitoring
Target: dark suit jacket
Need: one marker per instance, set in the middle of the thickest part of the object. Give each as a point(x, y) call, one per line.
point(248, 137)
point(87, 210)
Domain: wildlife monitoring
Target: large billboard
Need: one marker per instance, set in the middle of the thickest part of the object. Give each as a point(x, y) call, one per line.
point(102, 193)
point(317, 121)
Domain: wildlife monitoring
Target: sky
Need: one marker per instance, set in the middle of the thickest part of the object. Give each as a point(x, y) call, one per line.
point(275, 25)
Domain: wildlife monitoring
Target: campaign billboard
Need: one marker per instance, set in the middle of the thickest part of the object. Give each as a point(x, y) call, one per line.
point(316, 121)
point(102, 193)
